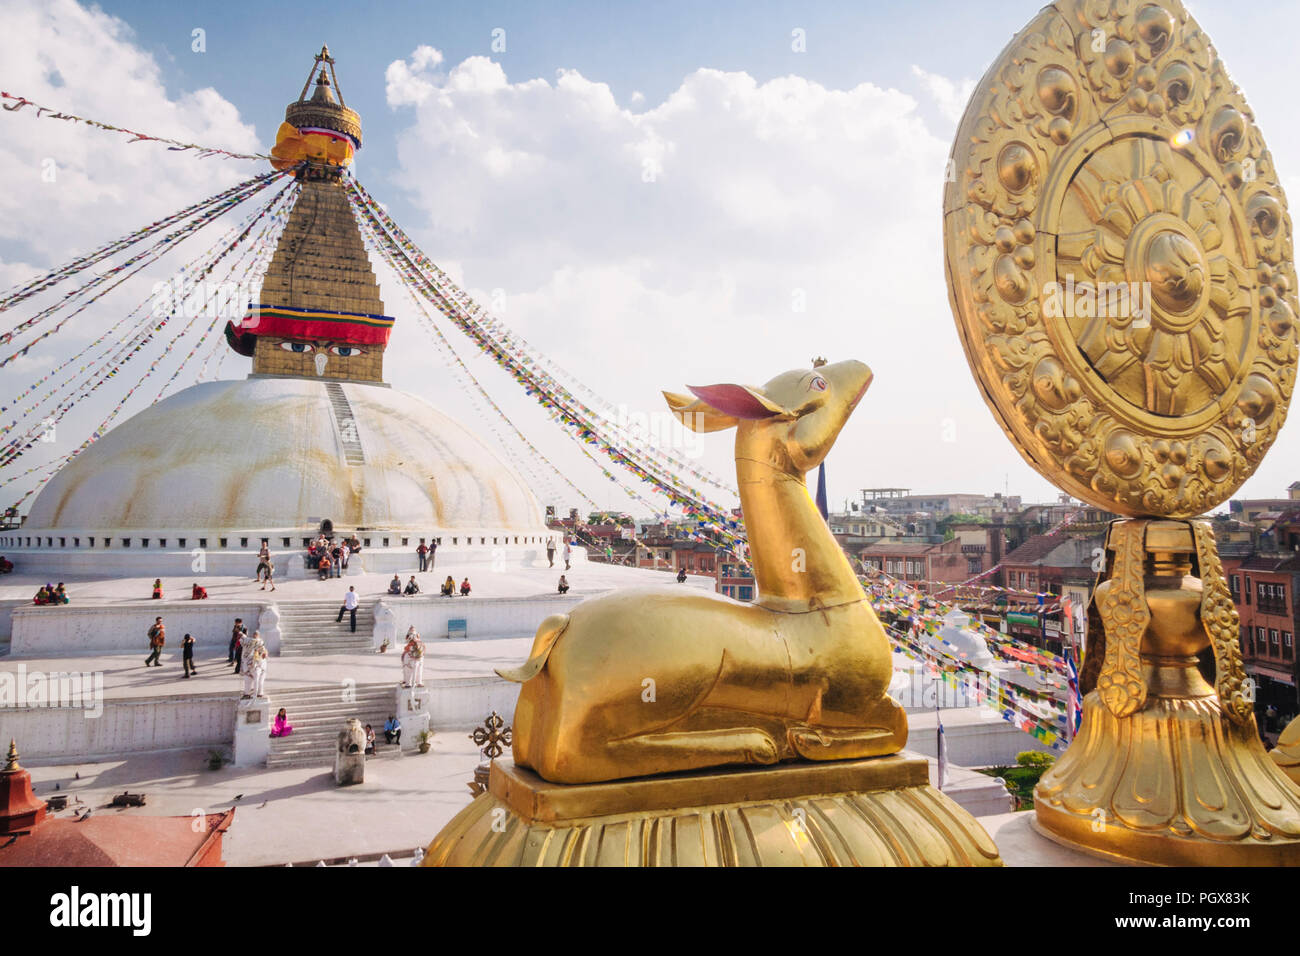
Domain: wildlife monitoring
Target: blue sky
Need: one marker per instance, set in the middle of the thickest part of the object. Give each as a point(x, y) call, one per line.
point(636, 288)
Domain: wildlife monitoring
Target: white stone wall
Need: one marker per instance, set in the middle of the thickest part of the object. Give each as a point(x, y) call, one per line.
point(493, 618)
point(74, 629)
point(462, 703)
point(125, 726)
point(976, 737)
point(136, 561)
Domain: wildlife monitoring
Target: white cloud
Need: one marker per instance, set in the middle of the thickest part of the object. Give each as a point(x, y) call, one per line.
point(950, 97)
point(651, 248)
point(87, 64)
point(84, 61)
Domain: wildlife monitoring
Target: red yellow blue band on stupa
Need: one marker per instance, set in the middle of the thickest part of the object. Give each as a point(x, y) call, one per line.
point(353, 328)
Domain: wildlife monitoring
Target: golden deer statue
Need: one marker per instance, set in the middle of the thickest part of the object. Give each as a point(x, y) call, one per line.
point(665, 679)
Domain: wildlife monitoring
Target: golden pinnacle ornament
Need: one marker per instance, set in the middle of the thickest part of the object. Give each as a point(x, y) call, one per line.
point(1120, 265)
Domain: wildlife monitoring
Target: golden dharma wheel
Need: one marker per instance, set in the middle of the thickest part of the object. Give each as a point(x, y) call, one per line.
point(1120, 259)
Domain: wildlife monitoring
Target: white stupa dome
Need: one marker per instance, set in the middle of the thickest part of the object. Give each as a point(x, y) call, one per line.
point(270, 455)
point(965, 644)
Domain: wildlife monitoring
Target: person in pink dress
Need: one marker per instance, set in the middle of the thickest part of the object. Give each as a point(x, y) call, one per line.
point(281, 728)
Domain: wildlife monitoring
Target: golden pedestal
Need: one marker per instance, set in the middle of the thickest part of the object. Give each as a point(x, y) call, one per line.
point(1287, 752)
point(879, 811)
point(1167, 769)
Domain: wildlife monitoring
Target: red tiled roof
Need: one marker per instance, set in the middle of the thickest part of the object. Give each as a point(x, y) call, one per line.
point(115, 840)
point(1035, 549)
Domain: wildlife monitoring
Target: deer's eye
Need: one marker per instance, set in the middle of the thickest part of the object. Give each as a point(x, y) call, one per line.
point(818, 384)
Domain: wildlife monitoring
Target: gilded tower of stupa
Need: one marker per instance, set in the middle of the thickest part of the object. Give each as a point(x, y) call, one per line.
point(312, 435)
point(320, 312)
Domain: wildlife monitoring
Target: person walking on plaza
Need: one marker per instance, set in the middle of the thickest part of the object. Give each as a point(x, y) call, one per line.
point(263, 559)
point(270, 575)
point(349, 605)
point(239, 650)
point(568, 554)
point(187, 655)
point(157, 638)
point(236, 632)
point(420, 553)
point(550, 551)
point(433, 551)
point(157, 589)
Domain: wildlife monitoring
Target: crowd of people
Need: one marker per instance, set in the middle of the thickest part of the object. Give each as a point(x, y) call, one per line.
point(329, 555)
point(51, 595)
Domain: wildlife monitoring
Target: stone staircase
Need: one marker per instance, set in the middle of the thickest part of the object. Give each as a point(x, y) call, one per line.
point(309, 629)
point(346, 425)
point(317, 714)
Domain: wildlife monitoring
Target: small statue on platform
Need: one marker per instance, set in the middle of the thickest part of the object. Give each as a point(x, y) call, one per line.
point(254, 666)
point(659, 680)
point(413, 660)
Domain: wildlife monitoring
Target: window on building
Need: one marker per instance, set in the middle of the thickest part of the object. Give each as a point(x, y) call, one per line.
point(1234, 587)
point(181, 542)
point(746, 594)
point(1273, 638)
point(1246, 590)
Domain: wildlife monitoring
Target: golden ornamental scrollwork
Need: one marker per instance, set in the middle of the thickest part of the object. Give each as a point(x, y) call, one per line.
point(1120, 259)
point(1220, 619)
point(1125, 617)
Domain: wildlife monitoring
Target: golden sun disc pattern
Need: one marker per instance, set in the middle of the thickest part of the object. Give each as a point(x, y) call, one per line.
point(1120, 259)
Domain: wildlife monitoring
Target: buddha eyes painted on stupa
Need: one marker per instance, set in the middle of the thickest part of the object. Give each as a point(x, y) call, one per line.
point(346, 350)
point(296, 347)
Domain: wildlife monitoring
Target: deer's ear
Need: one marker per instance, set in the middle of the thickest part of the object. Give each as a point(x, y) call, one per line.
point(740, 401)
point(696, 415)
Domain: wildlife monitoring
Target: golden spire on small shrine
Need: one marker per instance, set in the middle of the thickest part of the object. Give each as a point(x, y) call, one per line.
point(11, 762)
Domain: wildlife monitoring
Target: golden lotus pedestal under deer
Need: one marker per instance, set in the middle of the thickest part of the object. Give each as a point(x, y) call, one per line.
point(875, 812)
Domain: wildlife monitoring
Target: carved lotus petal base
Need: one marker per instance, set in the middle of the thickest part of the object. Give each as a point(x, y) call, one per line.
point(1176, 784)
point(1287, 752)
point(875, 812)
